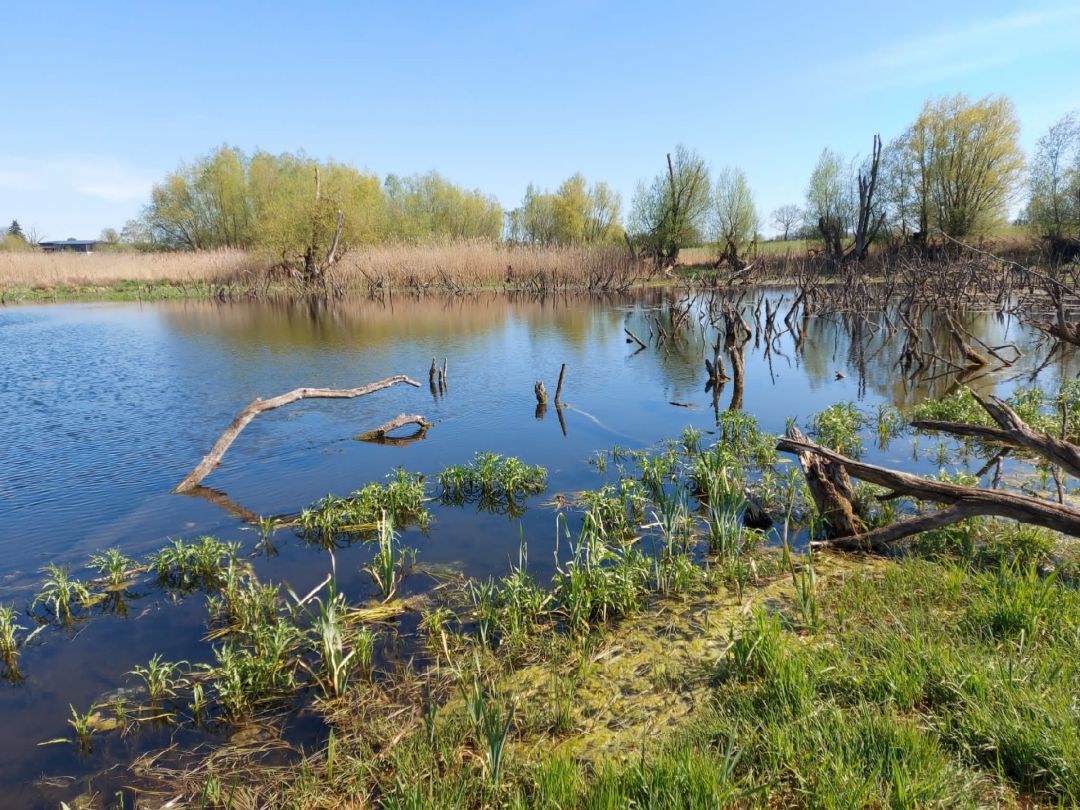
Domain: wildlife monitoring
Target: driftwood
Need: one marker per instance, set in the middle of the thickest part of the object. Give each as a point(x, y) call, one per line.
point(636, 339)
point(400, 421)
point(962, 502)
point(225, 440)
point(1012, 431)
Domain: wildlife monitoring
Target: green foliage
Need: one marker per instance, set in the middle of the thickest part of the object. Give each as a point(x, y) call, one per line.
point(498, 483)
point(392, 562)
point(427, 206)
point(838, 427)
point(962, 161)
point(670, 213)
point(113, 566)
point(735, 218)
point(1054, 207)
point(193, 565)
point(160, 679)
point(9, 631)
point(402, 498)
point(60, 594)
point(575, 214)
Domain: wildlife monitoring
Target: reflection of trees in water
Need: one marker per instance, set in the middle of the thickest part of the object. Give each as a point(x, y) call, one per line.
point(859, 347)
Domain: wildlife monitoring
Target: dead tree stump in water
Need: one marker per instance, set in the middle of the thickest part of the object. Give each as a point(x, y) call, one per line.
point(558, 389)
point(243, 419)
point(831, 489)
point(541, 392)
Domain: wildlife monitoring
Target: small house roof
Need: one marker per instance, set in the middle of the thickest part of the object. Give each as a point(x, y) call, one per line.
point(69, 242)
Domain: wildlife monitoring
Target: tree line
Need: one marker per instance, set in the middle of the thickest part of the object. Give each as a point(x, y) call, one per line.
point(956, 170)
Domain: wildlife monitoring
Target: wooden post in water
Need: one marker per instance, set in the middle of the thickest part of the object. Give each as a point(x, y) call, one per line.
point(558, 389)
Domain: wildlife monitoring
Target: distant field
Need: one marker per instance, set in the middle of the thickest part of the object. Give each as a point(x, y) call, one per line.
point(708, 254)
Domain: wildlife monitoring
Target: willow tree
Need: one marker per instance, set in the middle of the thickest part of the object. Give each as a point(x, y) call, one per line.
point(423, 207)
point(1054, 208)
point(576, 213)
point(671, 212)
point(965, 164)
point(734, 216)
point(829, 204)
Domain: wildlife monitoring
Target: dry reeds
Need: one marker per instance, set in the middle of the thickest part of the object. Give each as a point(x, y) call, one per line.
point(449, 266)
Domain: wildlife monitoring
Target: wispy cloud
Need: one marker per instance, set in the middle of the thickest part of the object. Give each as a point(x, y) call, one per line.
point(99, 178)
point(958, 50)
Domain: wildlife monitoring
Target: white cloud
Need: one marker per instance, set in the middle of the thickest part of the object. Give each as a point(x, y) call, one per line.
point(100, 178)
point(952, 51)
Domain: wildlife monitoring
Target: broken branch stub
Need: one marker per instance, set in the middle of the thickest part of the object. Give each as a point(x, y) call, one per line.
point(243, 419)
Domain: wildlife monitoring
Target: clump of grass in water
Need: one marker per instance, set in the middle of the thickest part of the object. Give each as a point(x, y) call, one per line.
point(191, 565)
point(599, 583)
point(402, 498)
point(243, 605)
point(60, 593)
point(838, 427)
point(160, 678)
point(497, 483)
point(114, 567)
point(392, 561)
point(9, 630)
point(491, 726)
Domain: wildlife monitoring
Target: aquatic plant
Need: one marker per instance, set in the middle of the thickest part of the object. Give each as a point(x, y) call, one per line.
point(599, 583)
point(691, 440)
point(497, 483)
point(188, 565)
point(392, 561)
point(243, 604)
point(82, 725)
point(806, 598)
point(160, 678)
point(402, 498)
point(838, 427)
point(113, 566)
point(60, 593)
point(9, 630)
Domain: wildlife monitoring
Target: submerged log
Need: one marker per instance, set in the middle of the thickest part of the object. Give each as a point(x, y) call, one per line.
point(225, 440)
point(396, 423)
point(962, 502)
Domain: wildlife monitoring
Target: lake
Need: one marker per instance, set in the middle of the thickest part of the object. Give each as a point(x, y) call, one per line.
point(107, 406)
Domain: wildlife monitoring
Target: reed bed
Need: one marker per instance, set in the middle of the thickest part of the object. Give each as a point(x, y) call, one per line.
point(449, 266)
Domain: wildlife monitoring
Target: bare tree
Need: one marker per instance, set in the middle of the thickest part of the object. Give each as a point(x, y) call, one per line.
point(787, 217)
point(869, 220)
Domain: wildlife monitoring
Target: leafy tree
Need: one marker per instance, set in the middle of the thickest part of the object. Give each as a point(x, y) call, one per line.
point(670, 212)
point(1054, 207)
point(110, 236)
point(734, 215)
point(575, 214)
point(829, 203)
point(426, 206)
point(964, 163)
point(786, 218)
point(15, 230)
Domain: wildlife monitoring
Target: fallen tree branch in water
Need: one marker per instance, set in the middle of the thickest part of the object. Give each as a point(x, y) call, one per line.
point(379, 433)
point(1012, 431)
point(963, 502)
point(225, 440)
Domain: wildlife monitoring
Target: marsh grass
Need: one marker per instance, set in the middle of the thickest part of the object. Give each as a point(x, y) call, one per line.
point(497, 483)
point(61, 595)
point(189, 565)
point(402, 498)
point(392, 562)
point(9, 632)
point(838, 427)
point(114, 567)
point(161, 678)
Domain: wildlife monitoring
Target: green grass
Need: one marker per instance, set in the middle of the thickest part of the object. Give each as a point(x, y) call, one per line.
point(497, 483)
point(188, 565)
point(401, 498)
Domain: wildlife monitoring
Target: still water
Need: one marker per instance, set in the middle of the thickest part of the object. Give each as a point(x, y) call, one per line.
point(105, 407)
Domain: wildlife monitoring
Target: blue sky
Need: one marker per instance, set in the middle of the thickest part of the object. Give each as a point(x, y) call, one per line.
point(101, 99)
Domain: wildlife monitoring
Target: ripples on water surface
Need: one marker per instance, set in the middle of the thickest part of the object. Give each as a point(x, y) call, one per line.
point(106, 406)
